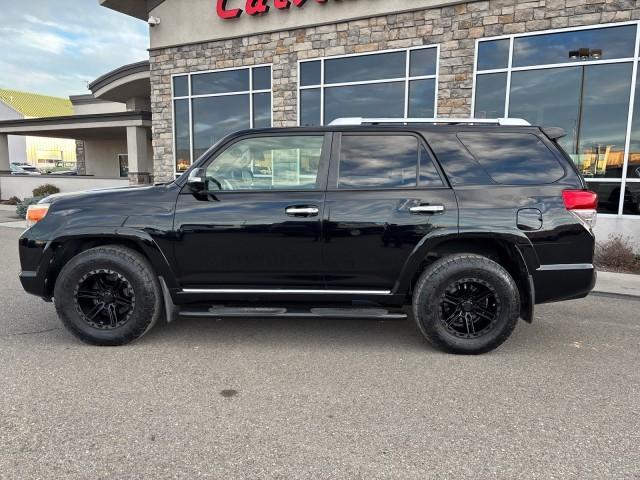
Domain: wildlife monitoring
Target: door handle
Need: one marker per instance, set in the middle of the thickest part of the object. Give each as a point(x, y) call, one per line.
point(309, 211)
point(427, 209)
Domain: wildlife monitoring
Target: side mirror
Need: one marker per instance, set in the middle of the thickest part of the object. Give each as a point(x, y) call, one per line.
point(197, 180)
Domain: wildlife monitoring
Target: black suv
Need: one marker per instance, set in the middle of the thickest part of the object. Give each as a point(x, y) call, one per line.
point(464, 225)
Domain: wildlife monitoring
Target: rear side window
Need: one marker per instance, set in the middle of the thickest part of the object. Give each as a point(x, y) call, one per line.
point(513, 158)
point(385, 161)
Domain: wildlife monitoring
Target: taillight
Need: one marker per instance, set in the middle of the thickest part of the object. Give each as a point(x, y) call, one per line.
point(582, 203)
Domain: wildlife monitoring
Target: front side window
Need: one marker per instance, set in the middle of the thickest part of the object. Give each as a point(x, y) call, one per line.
point(394, 84)
point(267, 163)
point(210, 105)
point(385, 161)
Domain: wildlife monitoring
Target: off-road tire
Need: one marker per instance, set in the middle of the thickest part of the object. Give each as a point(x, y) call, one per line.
point(146, 311)
point(443, 273)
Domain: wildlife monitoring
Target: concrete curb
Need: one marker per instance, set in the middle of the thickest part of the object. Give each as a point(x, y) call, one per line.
point(618, 284)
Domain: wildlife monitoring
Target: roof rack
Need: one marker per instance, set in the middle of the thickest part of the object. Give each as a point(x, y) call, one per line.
point(513, 122)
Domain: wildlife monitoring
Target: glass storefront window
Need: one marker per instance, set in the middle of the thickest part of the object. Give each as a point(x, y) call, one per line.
point(490, 92)
point(589, 96)
point(493, 54)
point(220, 103)
point(369, 85)
point(587, 45)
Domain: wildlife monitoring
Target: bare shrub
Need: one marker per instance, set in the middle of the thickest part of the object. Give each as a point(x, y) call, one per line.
point(617, 253)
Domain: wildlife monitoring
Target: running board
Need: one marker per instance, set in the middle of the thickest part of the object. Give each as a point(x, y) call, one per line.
point(263, 312)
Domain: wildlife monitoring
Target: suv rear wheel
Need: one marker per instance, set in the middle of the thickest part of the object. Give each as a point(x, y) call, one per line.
point(108, 296)
point(466, 304)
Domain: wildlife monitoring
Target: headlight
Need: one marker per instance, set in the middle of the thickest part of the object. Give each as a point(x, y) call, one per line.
point(36, 212)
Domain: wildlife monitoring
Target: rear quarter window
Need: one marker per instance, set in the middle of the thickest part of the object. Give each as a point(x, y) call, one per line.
point(513, 158)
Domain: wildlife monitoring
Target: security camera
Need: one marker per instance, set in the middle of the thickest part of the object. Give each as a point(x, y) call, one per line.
point(153, 21)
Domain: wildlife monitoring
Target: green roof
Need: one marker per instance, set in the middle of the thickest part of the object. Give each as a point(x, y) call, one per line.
point(33, 105)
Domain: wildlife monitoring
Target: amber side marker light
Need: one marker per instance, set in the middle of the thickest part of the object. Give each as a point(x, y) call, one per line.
point(35, 213)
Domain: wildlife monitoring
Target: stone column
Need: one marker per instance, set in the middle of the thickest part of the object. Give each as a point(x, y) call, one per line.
point(140, 168)
point(4, 153)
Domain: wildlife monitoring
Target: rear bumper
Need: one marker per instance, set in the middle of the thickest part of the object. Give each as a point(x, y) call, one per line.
point(566, 281)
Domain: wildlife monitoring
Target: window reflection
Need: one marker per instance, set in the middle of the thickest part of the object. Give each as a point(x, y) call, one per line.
point(374, 100)
point(493, 54)
point(365, 67)
point(216, 117)
point(633, 169)
point(267, 163)
point(608, 196)
point(220, 82)
point(182, 138)
point(378, 161)
point(513, 158)
point(310, 107)
point(611, 42)
point(490, 93)
point(631, 203)
point(181, 86)
point(421, 98)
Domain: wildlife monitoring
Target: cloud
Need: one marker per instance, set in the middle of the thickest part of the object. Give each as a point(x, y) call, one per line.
point(56, 46)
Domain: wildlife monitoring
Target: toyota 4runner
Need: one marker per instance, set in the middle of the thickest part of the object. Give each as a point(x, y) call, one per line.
point(463, 225)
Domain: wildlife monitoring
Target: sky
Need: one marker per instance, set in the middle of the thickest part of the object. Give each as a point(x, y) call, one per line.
point(55, 47)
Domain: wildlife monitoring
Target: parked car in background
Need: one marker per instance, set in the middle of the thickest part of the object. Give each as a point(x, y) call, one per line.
point(64, 172)
point(23, 169)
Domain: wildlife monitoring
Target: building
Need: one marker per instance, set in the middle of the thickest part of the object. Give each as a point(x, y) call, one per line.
point(44, 153)
point(109, 132)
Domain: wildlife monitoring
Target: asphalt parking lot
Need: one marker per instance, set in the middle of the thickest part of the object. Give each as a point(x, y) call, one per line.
point(318, 399)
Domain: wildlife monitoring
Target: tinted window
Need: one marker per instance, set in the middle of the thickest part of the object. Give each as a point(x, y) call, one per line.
point(513, 158)
point(261, 110)
point(460, 167)
point(267, 163)
point(365, 67)
point(490, 95)
point(493, 54)
point(378, 161)
point(422, 95)
point(181, 86)
point(600, 43)
point(216, 117)
point(423, 62)
point(310, 107)
point(364, 101)
point(220, 82)
point(182, 140)
point(310, 73)
point(262, 78)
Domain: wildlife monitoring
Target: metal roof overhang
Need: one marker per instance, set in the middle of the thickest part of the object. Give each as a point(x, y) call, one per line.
point(79, 127)
point(135, 8)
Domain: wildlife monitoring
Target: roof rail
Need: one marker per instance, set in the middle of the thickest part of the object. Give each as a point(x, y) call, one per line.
point(513, 122)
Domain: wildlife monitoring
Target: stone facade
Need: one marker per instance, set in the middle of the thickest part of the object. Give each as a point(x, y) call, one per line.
point(455, 28)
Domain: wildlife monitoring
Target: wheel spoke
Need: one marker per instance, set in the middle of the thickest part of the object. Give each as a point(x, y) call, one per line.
point(95, 311)
point(124, 301)
point(484, 313)
point(471, 330)
point(481, 297)
point(88, 294)
point(113, 317)
point(452, 318)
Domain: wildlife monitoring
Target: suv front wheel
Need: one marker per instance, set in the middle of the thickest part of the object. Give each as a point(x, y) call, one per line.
point(466, 304)
point(108, 295)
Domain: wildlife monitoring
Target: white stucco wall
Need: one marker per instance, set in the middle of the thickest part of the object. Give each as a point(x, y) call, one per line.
point(98, 107)
point(22, 186)
point(101, 156)
point(629, 227)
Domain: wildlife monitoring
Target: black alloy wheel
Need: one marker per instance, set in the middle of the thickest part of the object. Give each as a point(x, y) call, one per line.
point(104, 299)
point(469, 308)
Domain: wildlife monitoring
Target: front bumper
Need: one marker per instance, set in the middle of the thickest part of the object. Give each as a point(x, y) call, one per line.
point(35, 259)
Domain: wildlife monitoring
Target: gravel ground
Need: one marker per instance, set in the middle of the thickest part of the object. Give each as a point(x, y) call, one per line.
point(318, 399)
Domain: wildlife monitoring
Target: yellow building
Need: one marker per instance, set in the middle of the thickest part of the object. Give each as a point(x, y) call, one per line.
point(46, 154)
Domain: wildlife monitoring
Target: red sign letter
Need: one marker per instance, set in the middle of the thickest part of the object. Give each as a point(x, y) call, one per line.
point(227, 14)
point(256, 7)
point(281, 4)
